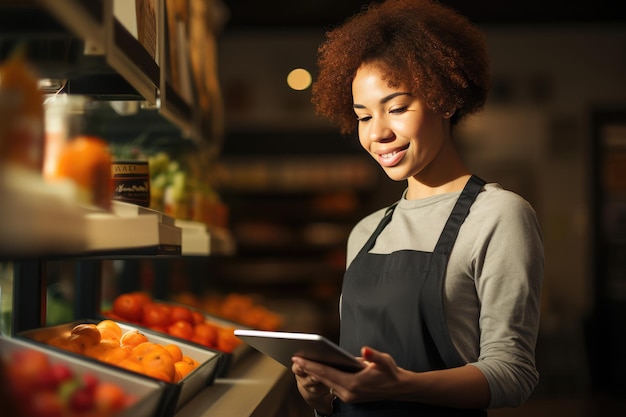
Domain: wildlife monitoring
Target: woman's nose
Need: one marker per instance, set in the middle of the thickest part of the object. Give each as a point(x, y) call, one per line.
point(380, 130)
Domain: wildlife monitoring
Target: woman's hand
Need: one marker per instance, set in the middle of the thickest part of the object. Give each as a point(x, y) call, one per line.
point(379, 380)
point(314, 392)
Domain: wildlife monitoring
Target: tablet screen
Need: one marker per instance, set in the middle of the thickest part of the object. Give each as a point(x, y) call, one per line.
point(281, 346)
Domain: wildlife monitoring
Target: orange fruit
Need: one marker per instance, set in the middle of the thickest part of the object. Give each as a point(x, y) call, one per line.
point(66, 343)
point(109, 335)
point(175, 352)
point(191, 361)
point(132, 364)
point(181, 329)
point(132, 338)
point(158, 363)
point(177, 375)
point(88, 334)
point(82, 341)
point(109, 329)
point(142, 348)
point(156, 314)
point(160, 374)
point(99, 350)
point(128, 307)
point(183, 368)
point(87, 161)
point(115, 355)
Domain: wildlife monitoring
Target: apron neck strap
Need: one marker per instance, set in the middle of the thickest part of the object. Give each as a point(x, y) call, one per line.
point(458, 215)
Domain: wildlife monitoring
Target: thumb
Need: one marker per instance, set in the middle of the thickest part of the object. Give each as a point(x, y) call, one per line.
point(370, 354)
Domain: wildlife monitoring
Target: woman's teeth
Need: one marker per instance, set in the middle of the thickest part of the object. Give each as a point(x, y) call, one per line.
point(389, 155)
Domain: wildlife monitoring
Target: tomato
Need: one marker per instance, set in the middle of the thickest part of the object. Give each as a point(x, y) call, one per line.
point(128, 307)
point(181, 313)
point(182, 329)
point(45, 403)
point(157, 315)
point(141, 297)
point(198, 317)
point(205, 334)
point(160, 329)
point(226, 340)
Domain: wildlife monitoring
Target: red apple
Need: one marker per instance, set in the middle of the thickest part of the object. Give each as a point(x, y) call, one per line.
point(24, 371)
point(61, 372)
point(109, 398)
point(45, 404)
point(82, 399)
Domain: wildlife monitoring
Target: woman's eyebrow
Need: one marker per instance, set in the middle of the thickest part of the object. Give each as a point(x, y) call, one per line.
point(382, 100)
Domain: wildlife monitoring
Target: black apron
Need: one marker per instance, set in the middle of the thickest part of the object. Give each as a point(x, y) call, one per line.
point(393, 303)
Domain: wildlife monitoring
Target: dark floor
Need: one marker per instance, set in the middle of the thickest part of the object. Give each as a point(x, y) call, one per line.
point(592, 406)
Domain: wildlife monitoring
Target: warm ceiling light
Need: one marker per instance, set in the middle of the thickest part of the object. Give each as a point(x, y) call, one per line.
point(299, 79)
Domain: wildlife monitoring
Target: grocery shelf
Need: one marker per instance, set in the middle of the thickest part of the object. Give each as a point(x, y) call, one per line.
point(36, 218)
point(175, 109)
point(83, 45)
point(130, 59)
point(85, 49)
point(85, 18)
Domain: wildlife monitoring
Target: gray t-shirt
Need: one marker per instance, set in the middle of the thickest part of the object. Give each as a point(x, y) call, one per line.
point(493, 281)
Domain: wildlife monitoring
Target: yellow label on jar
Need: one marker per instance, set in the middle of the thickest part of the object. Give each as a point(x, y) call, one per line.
point(131, 182)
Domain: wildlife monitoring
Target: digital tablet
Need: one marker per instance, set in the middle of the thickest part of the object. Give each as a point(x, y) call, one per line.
point(281, 346)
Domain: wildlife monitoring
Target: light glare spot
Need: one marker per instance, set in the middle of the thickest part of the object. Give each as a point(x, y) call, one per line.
point(299, 79)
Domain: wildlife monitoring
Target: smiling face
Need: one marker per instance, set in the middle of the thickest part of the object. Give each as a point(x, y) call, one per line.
point(408, 140)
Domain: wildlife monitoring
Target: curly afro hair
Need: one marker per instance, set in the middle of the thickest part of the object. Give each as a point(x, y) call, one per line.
point(421, 45)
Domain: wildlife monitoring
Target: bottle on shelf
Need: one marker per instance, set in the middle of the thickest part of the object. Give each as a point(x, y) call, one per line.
point(21, 114)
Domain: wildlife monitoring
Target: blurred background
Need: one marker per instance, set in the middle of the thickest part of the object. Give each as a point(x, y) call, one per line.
point(554, 130)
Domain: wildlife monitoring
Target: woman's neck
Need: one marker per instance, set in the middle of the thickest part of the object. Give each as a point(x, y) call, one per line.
point(417, 190)
point(447, 174)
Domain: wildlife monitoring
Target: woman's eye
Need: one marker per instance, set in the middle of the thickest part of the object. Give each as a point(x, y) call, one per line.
point(363, 118)
point(398, 110)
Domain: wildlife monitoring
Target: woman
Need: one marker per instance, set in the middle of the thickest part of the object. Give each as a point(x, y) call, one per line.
point(441, 293)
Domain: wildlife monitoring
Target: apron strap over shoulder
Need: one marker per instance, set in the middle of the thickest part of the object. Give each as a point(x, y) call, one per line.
point(458, 215)
point(431, 306)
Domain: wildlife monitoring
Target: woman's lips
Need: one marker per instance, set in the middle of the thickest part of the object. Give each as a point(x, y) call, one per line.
point(391, 158)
